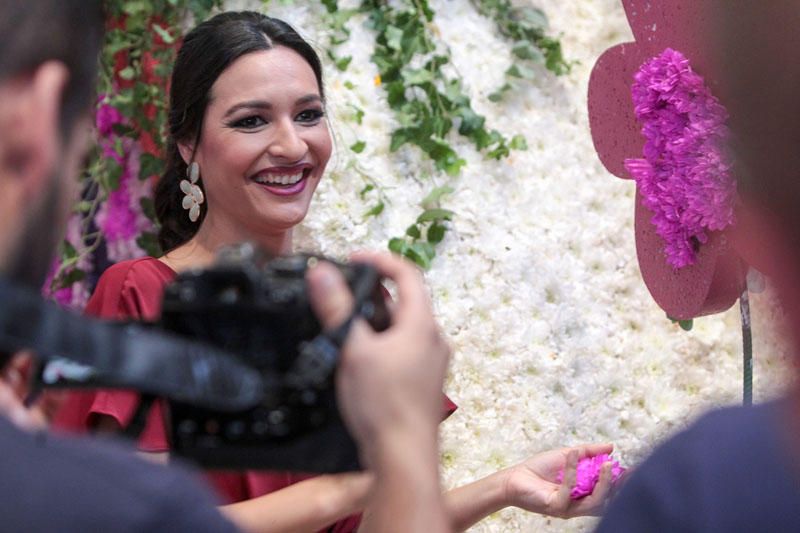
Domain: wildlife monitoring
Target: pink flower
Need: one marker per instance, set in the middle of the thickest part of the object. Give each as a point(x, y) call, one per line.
point(685, 176)
point(107, 117)
point(587, 474)
point(121, 218)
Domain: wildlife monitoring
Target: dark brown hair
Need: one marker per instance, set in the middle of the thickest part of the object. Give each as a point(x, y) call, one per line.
point(207, 51)
point(71, 31)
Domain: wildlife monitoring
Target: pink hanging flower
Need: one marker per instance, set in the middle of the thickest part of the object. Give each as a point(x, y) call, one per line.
point(121, 218)
point(106, 117)
point(587, 474)
point(685, 176)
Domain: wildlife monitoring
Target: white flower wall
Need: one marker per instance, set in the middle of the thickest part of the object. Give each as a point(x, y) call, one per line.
point(555, 338)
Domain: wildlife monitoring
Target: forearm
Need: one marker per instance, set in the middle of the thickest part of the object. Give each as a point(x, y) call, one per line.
point(407, 496)
point(473, 502)
point(306, 506)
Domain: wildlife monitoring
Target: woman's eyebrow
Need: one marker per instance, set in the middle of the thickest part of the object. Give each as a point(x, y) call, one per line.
point(250, 104)
point(266, 106)
point(307, 99)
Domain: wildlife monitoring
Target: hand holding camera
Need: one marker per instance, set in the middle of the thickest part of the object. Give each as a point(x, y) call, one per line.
point(392, 380)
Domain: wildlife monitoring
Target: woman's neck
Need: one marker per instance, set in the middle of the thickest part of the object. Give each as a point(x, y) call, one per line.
point(201, 250)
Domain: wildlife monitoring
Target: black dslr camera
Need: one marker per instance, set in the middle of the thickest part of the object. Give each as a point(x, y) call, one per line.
point(259, 309)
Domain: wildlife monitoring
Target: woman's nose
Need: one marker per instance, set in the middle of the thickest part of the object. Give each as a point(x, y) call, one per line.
point(286, 143)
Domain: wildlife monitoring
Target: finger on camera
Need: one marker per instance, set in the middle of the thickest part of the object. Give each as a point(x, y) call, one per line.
point(411, 291)
point(329, 294)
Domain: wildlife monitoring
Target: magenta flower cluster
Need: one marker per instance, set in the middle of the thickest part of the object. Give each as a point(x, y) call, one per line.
point(685, 176)
point(587, 474)
point(121, 218)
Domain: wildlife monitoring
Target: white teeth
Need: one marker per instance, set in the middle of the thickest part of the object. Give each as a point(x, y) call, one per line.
point(279, 179)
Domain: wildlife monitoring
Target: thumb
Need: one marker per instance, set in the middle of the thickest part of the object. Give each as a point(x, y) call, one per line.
point(330, 296)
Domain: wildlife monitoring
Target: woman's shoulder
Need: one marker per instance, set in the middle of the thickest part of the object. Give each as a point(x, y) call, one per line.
point(131, 289)
point(137, 270)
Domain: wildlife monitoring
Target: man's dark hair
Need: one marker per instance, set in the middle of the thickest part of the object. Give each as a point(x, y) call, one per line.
point(71, 31)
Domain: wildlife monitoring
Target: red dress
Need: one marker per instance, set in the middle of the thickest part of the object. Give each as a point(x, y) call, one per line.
point(133, 290)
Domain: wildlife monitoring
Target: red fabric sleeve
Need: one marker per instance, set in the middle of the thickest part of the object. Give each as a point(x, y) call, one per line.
point(130, 290)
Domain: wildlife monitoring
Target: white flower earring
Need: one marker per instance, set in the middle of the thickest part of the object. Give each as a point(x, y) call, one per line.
point(193, 198)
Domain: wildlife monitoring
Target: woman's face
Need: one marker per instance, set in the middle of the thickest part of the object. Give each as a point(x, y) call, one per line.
point(264, 144)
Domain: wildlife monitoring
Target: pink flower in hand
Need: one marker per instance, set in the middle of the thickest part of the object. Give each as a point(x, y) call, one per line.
point(587, 474)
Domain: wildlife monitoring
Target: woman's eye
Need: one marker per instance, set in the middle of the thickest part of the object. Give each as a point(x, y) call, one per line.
point(249, 122)
point(310, 115)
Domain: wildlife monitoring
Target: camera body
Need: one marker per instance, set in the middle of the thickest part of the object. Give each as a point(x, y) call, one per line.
point(259, 309)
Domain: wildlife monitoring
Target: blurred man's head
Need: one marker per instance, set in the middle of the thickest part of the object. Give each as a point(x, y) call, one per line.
point(48, 64)
point(759, 46)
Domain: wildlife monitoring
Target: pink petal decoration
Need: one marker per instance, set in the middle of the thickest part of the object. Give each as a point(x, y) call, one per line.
point(716, 279)
point(587, 474)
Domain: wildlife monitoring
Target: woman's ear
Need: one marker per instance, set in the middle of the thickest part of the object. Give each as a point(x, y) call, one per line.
point(187, 152)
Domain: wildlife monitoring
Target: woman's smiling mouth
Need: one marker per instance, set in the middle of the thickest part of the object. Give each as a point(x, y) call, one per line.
point(284, 181)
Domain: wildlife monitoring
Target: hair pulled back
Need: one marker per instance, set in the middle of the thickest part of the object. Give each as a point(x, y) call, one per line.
point(207, 51)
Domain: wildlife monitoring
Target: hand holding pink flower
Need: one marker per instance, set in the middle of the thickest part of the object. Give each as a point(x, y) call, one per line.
point(546, 482)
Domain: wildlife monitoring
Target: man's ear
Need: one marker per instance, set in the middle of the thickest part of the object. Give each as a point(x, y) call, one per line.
point(18, 373)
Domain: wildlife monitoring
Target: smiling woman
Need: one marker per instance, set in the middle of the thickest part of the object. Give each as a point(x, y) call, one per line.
point(247, 105)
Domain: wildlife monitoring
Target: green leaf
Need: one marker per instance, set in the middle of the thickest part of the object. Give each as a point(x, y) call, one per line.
point(526, 50)
point(534, 18)
point(436, 233)
point(73, 276)
point(418, 257)
point(148, 207)
point(363, 192)
point(127, 73)
point(400, 137)
point(499, 93)
point(164, 34)
point(394, 38)
point(421, 253)
point(358, 147)
point(432, 200)
point(470, 120)
point(685, 325)
point(430, 215)
point(342, 63)
point(134, 8)
point(350, 85)
point(149, 243)
point(518, 142)
point(68, 251)
point(520, 71)
point(416, 76)
point(150, 165)
point(376, 210)
point(398, 245)
point(413, 231)
point(113, 176)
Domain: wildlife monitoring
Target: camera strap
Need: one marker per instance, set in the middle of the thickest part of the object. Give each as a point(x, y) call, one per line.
point(97, 354)
point(318, 357)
